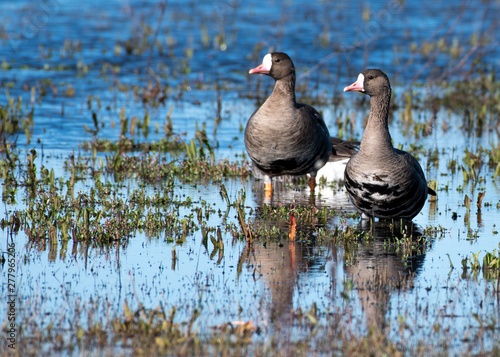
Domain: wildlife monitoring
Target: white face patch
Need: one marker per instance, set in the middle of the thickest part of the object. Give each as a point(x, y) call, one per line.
point(361, 81)
point(267, 62)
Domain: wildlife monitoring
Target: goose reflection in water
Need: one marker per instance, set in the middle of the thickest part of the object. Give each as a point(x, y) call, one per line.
point(280, 265)
point(374, 266)
point(378, 268)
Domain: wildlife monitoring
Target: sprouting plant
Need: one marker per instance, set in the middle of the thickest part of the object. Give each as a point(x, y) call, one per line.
point(12, 120)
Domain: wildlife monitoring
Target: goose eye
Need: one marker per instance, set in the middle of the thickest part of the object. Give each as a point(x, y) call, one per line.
point(370, 77)
point(277, 60)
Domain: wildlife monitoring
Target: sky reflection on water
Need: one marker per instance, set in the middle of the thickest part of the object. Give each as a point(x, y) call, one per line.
point(280, 276)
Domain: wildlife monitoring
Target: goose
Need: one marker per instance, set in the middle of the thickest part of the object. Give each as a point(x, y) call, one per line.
point(342, 151)
point(382, 181)
point(283, 137)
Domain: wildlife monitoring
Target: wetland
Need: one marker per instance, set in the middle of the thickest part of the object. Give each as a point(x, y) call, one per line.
point(132, 223)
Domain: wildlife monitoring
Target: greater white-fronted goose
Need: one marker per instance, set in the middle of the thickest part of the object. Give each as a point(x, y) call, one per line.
point(382, 181)
point(342, 150)
point(284, 137)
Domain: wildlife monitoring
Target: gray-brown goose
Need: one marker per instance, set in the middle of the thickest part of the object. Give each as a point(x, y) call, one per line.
point(342, 151)
point(382, 181)
point(283, 137)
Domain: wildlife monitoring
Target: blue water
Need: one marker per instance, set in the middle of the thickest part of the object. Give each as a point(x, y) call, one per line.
point(207, 42)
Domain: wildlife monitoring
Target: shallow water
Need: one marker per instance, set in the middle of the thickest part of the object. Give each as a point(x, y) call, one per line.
point(362, 282)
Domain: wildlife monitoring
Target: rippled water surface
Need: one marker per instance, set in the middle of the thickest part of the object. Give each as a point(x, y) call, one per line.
point(68, 59)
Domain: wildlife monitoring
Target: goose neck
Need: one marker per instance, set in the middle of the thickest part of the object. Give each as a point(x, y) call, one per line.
point(284, 88)
point(376, 137)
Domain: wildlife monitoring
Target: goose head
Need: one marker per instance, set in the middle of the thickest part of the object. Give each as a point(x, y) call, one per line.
point(277, 65)
point(371, 82)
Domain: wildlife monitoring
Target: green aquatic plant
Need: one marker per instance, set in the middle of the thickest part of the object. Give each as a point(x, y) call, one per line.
point(490, 265)
point(12, 120)
point(100, 216)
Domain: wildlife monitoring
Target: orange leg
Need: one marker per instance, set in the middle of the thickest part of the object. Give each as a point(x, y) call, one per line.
point(293, 258)
point(292, 225)
point(268, 191)
point(312, 183)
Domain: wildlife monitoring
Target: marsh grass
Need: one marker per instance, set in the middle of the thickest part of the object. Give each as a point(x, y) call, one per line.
point(118, 189)
point(137, 330)
point(56, 216)
point(12, 120)
point(171, 329)
point(102, 215)
point(66, 220)
point(159, 331)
